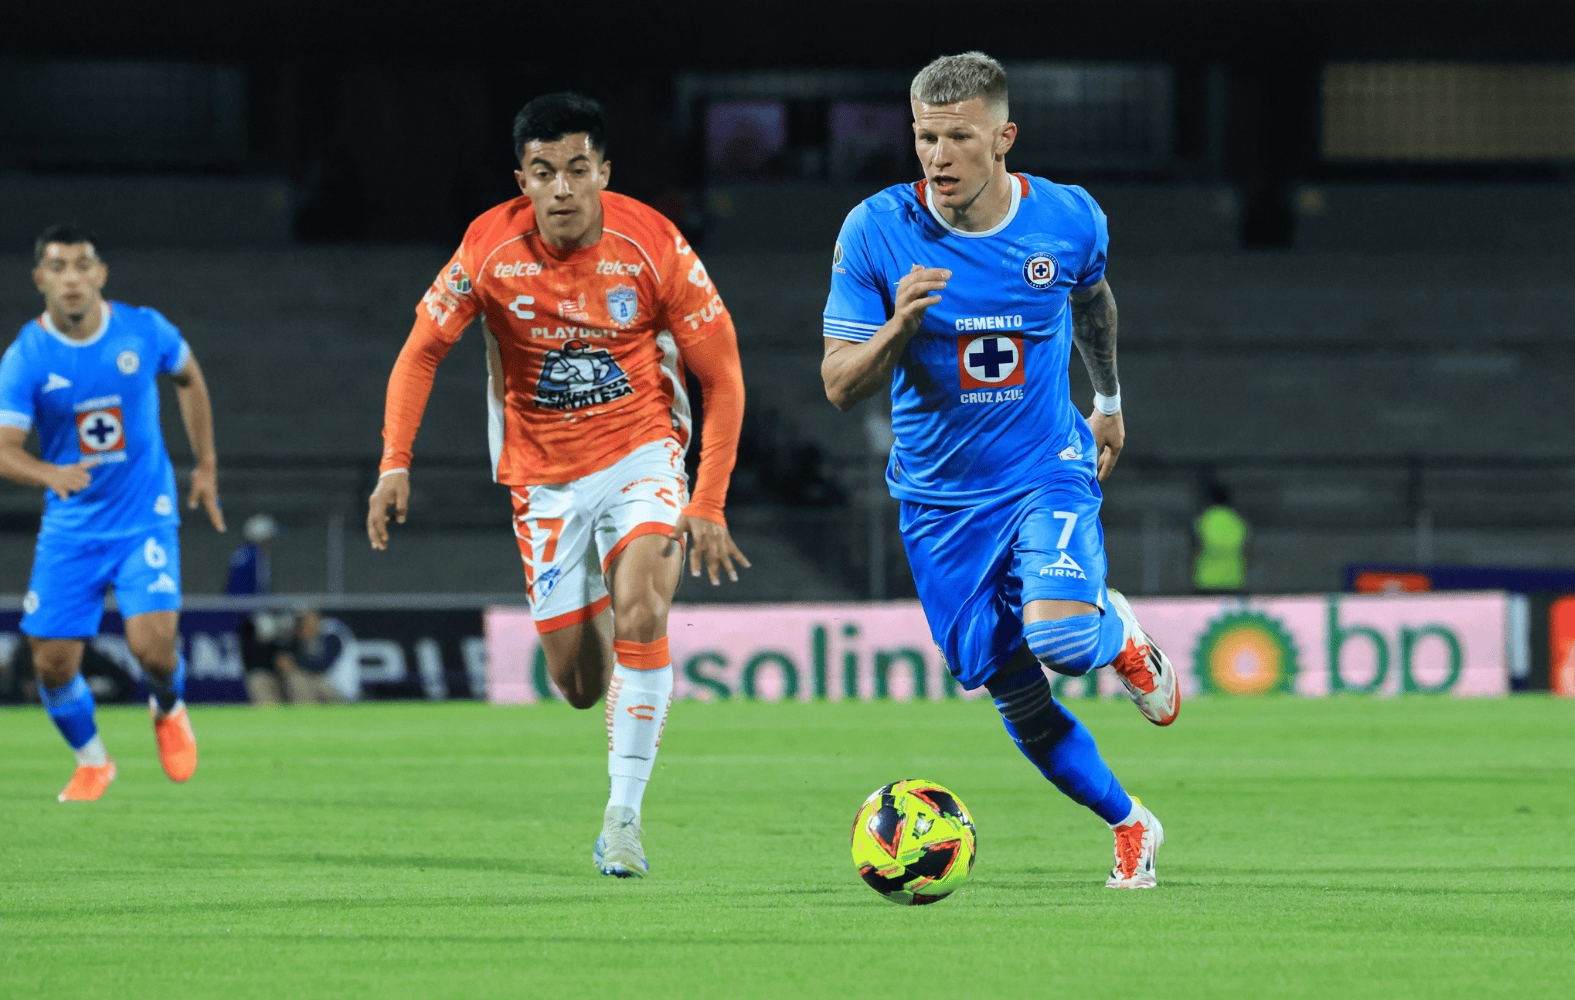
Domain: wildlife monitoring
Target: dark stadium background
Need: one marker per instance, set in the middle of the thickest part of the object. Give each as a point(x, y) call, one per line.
point(1374, 354)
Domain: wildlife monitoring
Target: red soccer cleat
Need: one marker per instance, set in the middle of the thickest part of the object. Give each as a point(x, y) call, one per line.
point(88, 783)
point(177, 743)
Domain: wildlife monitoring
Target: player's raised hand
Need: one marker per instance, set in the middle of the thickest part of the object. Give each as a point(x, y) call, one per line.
point(916, 292)
point(393, 489)
point(205, 490)
point(710, 544)
point(1110, 435)
point(68, 479)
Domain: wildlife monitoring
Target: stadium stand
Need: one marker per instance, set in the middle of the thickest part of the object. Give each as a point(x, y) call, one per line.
point(1370, 447)
point(1463, 218)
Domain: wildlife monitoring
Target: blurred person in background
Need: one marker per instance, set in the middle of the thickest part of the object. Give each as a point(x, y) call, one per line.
point(1220, 555)
point(84, 374)
point(250, 569)
point(263, 632)
point(592, 306)
point(305, 661)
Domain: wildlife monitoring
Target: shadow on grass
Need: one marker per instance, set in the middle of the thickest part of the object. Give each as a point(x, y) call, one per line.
point(720, 939)
point(412, 862)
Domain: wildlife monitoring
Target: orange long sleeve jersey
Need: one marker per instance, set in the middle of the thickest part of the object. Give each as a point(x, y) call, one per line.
point(586, 349)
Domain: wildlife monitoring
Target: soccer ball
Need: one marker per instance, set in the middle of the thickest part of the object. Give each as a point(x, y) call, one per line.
point(913, 842)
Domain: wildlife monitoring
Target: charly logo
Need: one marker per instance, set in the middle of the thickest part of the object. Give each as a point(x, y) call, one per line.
point(578, 375)
point(836, 254)
point(1245, 652)
point(623, 304)
point(128, 362)
point(1040, 270)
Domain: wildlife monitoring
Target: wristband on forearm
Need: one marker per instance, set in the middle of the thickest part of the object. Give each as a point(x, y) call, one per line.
point(1108, 405)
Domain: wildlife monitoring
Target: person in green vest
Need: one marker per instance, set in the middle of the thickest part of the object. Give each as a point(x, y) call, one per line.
point(1220, 562)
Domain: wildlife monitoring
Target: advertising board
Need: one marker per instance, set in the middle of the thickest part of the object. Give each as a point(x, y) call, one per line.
point(1459, 644)
point(432, 653)
point(1561, 639)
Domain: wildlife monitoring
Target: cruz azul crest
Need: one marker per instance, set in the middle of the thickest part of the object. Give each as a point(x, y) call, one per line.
point(623, 304)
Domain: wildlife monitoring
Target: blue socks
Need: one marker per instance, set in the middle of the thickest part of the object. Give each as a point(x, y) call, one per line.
point(167, 693)
point(71, 709)
point(1075, 645)
point(1060, 746)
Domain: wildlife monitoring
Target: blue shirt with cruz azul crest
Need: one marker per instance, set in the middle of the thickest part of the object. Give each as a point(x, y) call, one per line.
point(97, 400)
point(981, 405)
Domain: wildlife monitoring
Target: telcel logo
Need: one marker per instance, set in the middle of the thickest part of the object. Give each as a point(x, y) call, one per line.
point(518, 269)
point(618, 267)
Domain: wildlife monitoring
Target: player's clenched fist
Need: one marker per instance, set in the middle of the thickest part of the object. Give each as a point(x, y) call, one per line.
point(392, 490)
point(916, 292)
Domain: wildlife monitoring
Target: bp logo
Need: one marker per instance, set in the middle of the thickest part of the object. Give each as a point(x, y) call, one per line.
point(1040, 270)
point(1245, 652)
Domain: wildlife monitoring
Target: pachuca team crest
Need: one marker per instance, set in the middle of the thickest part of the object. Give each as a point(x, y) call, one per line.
point(1245, 652)
point(623, 304)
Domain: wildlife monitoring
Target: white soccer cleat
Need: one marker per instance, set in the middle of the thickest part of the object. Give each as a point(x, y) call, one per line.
point(618, 851)
point(1136, 844)
point(1144, 668)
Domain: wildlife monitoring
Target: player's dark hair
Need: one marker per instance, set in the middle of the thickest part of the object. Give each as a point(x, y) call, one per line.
point(553, 116)
point(68, 233)
point(1219, 494)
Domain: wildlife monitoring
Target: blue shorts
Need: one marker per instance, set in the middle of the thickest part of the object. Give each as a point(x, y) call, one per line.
point(65, 597)
point(975, 568)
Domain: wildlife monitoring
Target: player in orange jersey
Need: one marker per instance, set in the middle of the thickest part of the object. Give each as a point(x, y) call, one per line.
point(593, 306)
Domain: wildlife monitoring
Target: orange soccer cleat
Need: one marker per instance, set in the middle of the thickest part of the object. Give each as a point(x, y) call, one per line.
point(88, 783)
point(177, 743)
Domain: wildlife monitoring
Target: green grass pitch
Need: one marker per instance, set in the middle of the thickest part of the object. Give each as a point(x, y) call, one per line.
point(1345, 848)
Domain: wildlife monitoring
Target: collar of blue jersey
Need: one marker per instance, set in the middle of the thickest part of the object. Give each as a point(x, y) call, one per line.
point(1011, 212)
point(103, 327)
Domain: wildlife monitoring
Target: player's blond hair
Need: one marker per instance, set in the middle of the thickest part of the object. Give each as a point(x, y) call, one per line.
point(954, 79)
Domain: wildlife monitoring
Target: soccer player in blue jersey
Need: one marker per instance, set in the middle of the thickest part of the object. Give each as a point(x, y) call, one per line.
point(84, 375)
point(964, 293)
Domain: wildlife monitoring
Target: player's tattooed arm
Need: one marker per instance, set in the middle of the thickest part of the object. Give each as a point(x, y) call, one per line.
point(852, 371)
point(1094, 333)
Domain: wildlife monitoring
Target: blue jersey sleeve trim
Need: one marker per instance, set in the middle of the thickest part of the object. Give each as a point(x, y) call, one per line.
point(181, 357)
point(845, 329)
point(11, 418)
point(855, 304)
